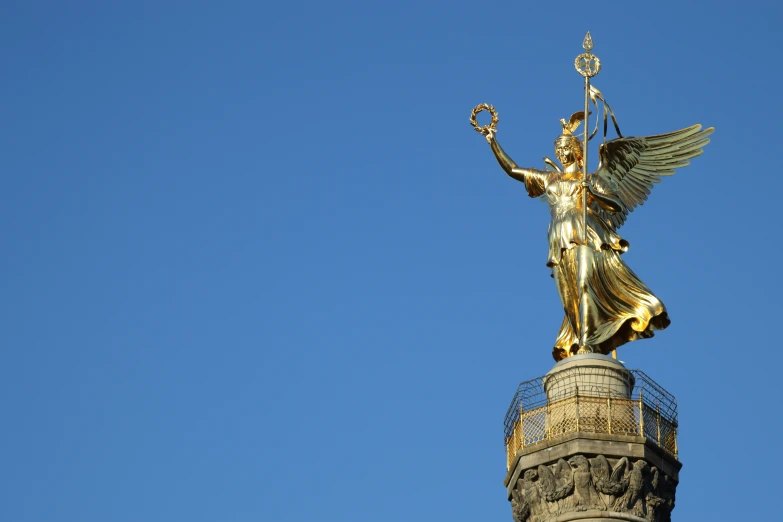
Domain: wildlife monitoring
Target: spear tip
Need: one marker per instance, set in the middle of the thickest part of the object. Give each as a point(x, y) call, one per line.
point(587, 44)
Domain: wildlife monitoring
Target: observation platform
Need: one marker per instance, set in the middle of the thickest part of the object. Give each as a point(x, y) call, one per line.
point(639, 407)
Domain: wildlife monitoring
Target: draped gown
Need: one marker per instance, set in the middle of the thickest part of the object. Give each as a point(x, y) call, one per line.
point(620, 307)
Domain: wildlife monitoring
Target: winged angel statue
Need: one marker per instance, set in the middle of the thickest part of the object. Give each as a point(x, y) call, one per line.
point(594, 283)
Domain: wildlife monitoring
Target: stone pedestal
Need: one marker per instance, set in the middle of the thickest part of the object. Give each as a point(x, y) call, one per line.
point(591, 472)
point(590, 374)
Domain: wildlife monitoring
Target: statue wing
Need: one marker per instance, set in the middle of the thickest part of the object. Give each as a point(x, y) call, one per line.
point(621, 471)
point(557, 485)
point(563, 472)
point(599, 468)
point(564, 477)
point(615, 484)
point(630, 166)
point(547, 480)
point(654, 479)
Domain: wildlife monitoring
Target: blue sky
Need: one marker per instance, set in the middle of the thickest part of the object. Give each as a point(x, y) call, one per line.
point(258, 266)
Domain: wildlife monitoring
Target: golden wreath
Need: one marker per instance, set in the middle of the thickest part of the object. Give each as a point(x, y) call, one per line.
point(486, 128)
point(587, 64)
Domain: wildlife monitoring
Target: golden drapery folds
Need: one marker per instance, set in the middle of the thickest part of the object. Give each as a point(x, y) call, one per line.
point(620, 308)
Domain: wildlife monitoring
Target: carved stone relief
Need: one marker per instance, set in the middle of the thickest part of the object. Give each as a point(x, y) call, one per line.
point(583, 484)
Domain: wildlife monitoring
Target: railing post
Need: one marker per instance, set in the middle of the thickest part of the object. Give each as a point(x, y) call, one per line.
point(521, 427)
point(548, 422)
point(641, 414)
point(508, 455)
point(609, 407)
point(658, 420)
point(674, 430)
point(577, 408)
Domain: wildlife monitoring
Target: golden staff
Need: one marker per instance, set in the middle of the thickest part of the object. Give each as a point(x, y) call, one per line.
point(588, 65)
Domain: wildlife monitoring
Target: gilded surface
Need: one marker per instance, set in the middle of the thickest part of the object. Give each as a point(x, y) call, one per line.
point(606, 304)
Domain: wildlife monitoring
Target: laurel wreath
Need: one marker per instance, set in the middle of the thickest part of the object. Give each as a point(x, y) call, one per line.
point(587, 64)
point(486, 129)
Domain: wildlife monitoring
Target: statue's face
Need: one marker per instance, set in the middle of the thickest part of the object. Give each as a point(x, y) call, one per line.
point(565, 154)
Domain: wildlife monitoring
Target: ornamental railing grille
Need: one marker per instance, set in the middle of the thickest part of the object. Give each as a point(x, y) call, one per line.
point(650, 411)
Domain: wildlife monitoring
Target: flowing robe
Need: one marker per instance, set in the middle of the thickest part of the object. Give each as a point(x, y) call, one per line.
point(619, 306)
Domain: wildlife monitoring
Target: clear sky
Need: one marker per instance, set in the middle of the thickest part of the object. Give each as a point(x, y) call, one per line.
point(257, 266)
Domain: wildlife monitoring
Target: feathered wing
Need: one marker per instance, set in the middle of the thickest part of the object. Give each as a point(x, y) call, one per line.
point(621, 471)
point(615, 484)
point(629, 167)
point(547, 480)
point(558, 485)
point(599, 468)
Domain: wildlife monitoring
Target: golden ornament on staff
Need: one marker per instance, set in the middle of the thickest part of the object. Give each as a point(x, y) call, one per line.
point(606, 304)
point(486, 129)
point(587, 64)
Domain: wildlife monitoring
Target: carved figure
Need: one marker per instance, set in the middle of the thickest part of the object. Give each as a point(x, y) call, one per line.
point(660, 498)
point(585, 495)
point(653, 501)
point(634, 498)
point(580, 484)
point(520, 509)
point(614, 484)
point(558, 485)
point(527, 501)
point(532, 489)
point(667, 490)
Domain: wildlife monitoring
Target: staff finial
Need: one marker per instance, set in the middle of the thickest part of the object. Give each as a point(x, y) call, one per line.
point(587, 44)
point(587, 64)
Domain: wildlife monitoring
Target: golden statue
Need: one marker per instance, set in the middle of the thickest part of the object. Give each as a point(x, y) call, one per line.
point(606, 304)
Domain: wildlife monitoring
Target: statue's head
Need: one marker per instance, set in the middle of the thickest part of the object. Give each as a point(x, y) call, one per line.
point(568, 150)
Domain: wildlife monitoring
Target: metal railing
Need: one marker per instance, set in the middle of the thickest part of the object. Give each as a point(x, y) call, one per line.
point(651, 412)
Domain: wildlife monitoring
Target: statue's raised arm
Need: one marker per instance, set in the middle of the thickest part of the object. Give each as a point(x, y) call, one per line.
point(535, 180)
